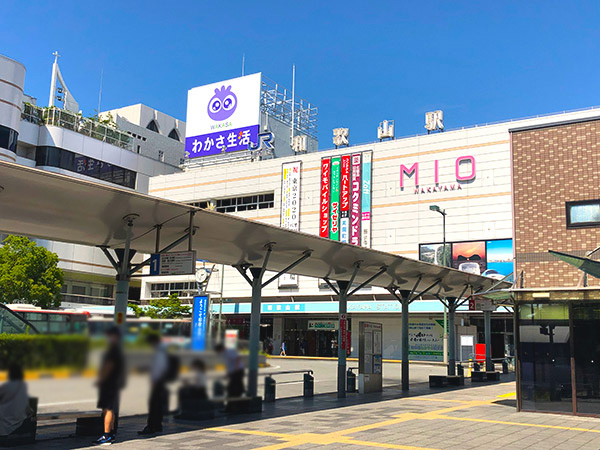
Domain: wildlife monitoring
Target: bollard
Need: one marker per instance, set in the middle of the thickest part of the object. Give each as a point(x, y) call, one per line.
point(351, 381)
point(505, 366)
point(269, 389)
point(460, 370)
point(309, 385)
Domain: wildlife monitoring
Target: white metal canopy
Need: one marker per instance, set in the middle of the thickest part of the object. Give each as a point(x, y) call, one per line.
point(57, 207)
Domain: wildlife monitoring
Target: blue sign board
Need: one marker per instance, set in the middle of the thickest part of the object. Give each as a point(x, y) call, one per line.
point(155, 264)
point(199, 317)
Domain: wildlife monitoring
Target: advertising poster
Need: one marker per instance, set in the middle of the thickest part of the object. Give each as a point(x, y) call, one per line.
point(290, 209)
point(355, 196)
point(223, 117)
point(334, 204)
point(426, 340)
point(492, 258)
point(199, 316)
point(469, 256)
point(325, 191)
point(366, 200)
point(500, 256)
point(345, 199)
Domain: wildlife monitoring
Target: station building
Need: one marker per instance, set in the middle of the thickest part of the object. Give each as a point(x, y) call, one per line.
point(132, 145)
point(465, 172)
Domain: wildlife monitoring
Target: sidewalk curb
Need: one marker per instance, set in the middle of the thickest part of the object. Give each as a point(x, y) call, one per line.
point(329, 358)
point(61, 374)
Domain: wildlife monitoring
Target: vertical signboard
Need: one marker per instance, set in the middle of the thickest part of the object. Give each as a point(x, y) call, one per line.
point(345, 199)
point(325, 190)
point(334, 204)
point(365, 222)
point(199, 317)
point(345, 206)
point(223, 117)
point(355, 200)
point(290, 208)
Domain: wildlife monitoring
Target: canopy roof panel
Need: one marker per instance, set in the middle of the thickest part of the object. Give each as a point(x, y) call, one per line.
point(52, 206)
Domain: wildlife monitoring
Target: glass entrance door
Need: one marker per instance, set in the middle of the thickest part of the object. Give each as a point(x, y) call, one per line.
point(586, 334)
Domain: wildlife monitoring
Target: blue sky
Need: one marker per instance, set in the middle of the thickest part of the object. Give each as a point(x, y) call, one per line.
point(359, 62)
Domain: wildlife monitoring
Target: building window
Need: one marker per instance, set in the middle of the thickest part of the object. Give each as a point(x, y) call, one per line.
point(84, 165)
point(163, 290)
point(174, 134)
point(153, 126)
point(139, 148)
point(161, 156)
point(583, 214)
point(8, 138)
point(245, 203)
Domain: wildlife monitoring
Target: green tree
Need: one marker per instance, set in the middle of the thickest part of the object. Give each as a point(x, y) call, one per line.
point(29, 273)
point(163, 308)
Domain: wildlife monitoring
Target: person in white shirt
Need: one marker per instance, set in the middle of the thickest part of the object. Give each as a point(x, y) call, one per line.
point(235, 370)
point(158, 391)
point(14, 402)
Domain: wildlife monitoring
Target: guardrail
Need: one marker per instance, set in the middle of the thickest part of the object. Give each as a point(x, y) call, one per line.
point(308, 379)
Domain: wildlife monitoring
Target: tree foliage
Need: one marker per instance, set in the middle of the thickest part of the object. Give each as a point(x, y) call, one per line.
point(163, 308)
point(29, 273)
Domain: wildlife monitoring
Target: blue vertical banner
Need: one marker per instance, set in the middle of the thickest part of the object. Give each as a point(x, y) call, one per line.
point(199, 317)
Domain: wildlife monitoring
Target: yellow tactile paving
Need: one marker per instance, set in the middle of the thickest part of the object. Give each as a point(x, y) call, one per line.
point(341, 436)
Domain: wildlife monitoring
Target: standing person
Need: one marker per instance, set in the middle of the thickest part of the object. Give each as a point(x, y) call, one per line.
point(158, 391)
point(235, 370)
point(111, 379)
point(283, 348)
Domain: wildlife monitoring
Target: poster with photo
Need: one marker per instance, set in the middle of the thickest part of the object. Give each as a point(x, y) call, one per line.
point(434, 253)
point(469, 256)
point(500, 256)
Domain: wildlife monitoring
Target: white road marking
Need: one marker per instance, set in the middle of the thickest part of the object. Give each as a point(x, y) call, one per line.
point(91, 400)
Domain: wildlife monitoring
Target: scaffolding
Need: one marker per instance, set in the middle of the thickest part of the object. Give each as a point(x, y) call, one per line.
point(281, 103)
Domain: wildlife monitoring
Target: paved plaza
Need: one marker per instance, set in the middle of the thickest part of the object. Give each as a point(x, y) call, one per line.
point(466, 418)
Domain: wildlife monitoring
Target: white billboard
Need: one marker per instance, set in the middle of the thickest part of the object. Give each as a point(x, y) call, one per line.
point(223, 117)
point(290, 208)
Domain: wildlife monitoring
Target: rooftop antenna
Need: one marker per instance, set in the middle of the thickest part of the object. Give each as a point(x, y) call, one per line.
point(53, 81)
point(243, 62)
point(293, 102)
point(100, 90)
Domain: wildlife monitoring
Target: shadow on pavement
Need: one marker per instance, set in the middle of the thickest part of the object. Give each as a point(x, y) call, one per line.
point(62, 436)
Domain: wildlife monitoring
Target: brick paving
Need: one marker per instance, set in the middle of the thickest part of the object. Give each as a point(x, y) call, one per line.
point(467, 418)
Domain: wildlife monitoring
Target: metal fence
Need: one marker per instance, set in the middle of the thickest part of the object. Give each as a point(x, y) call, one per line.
point(75, 122)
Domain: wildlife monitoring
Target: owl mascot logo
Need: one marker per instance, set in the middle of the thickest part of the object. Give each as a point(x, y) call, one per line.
point(222, 105)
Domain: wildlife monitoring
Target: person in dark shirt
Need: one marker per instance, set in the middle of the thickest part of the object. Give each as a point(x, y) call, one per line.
point(111, 380)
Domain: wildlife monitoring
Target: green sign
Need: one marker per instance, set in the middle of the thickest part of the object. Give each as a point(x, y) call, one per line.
point(334, 205)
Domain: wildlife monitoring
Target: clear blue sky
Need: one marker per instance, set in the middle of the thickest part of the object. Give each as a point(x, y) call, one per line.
point(360, 62)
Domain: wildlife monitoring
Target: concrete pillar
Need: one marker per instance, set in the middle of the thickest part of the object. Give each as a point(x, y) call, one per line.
point(452, 304)
point(342, 314)
point(489, 364)
point(254, 331)
point(404, 340)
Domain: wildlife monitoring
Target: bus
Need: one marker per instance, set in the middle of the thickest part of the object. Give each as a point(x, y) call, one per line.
point(52, 321)
point(173, 331)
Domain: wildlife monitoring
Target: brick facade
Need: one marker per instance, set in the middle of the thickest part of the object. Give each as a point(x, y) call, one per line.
point(551, 166)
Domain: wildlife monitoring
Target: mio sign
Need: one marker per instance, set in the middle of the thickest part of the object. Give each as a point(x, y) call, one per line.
point(464, 172)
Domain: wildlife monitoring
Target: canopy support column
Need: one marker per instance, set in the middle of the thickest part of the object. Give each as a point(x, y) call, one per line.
point(123, 275)
point(452, 305)
point(343, 292)
point(489, 365)
point(405, 301)
point(256, 281)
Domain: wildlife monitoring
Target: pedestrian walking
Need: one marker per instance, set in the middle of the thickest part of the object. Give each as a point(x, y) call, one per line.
point(283, 349)
point(158, 391)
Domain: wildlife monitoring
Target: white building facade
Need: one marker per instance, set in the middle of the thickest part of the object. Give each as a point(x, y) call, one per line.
point(64, 142)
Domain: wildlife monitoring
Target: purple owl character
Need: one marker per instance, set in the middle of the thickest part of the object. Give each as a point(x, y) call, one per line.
point(222, 105)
